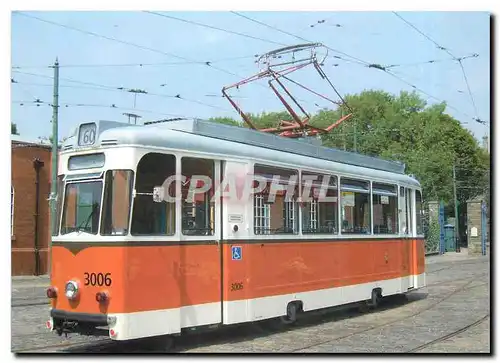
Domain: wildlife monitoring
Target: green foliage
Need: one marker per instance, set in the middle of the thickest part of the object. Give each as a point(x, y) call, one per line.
point(13, 129)
point(263, 120)
point(432, 237)
point(404, 128)
point(226, 121)
point(50, 139)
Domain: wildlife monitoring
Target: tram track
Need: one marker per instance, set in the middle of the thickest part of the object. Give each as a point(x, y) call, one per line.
point(102, 345)
point(432, 305)
point(37, 303)
point(451, 265)
point(444, 282)
point(450, 335)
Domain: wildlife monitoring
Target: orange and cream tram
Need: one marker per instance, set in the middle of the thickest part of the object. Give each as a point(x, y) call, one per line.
point(130, 263)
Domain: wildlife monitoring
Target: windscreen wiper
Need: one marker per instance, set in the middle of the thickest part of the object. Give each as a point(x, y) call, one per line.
point(95, 207)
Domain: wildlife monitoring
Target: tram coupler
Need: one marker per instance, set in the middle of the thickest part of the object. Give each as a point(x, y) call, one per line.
point(66, 327)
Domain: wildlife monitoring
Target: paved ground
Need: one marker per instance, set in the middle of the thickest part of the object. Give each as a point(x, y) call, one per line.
point(450, 316)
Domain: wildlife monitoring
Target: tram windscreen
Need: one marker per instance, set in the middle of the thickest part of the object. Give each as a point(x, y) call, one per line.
point(82, 207)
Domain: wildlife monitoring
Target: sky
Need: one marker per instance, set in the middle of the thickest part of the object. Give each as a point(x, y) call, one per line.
point(167, 49)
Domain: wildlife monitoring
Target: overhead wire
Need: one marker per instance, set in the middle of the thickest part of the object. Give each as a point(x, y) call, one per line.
point(385, 69)
point(299, 37)
point(127, 90)
point(113, 106)
point(458, 59)
point(123, 42)
point(431, 61)
point(109, 90)
point(142, 64)
point(360, 61)
point(23, 89)
point(135, 45)
point(427, 94)
point(216, 28)
point(224, 30)
point(140, 46)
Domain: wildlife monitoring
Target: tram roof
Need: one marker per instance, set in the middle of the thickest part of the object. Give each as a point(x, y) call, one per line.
point(157, 134)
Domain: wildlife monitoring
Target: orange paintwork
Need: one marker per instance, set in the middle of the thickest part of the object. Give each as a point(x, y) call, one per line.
point(143, 277)
point(283, 268)
point(162, 277)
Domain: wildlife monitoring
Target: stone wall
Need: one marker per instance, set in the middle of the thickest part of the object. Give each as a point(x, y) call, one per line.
point(474, 229)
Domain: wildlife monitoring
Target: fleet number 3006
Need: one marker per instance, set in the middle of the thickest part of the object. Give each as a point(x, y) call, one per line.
point(97, 279)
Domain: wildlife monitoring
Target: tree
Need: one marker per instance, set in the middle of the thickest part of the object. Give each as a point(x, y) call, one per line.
point(404, 128)
point(225, 121)
point(13, 129)
point(49, 139)
point(263, 120)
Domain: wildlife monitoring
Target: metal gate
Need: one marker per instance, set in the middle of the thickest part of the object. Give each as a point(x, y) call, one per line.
point(484, 228)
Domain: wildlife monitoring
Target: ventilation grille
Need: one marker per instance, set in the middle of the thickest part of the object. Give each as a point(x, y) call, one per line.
point(109, 142)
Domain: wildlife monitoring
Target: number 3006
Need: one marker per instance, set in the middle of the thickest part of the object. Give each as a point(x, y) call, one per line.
point(97, 279)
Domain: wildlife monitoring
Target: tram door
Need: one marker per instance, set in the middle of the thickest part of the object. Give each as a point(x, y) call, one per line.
point(405, 200)
point(200, 282)
point(409, 218)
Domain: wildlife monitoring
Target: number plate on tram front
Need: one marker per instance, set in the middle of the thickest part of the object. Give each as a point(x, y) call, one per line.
point(87, 134)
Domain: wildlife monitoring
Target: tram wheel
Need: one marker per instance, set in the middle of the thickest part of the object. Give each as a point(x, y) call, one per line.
point(159, 343)
point(292, 310)
point(376, 297)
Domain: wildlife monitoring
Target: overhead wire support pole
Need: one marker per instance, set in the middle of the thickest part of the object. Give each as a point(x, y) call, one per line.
point(55, 163)
point(457, 224)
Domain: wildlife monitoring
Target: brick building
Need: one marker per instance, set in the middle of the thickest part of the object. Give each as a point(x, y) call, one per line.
point(30, 189)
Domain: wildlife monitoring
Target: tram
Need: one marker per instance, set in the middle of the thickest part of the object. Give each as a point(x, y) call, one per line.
point(137, 255)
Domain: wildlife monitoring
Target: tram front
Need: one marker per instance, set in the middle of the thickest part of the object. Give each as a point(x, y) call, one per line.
point(95, 185)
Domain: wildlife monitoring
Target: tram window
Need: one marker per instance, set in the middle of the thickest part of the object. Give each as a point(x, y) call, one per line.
point(278, 216)
point(60, 191)
point(117, 200)
point(385, 209)
point(198, 208)
point(82, 207)
point(409, 215)
point(355, 206)
point(319, 214)
point(149, 217)
point(419, 211)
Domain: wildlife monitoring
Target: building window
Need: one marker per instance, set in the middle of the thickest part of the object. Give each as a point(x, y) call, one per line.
point(385, 208)
point(278, 213)
point(355, 202)
point(320, 204)
point(11, 211)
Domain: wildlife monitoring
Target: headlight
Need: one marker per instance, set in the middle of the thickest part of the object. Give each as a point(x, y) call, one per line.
point(71, 290)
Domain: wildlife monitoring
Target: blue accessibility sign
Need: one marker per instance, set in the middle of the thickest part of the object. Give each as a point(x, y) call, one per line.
point(236, 253)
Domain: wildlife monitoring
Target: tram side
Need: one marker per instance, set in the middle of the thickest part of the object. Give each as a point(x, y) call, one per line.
point(317, 254)
point(140, 268)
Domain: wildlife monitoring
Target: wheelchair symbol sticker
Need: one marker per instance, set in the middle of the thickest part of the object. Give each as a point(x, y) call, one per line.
point(236, 253)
